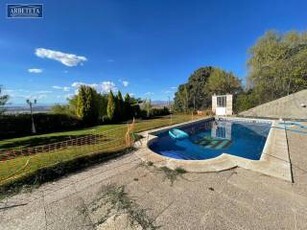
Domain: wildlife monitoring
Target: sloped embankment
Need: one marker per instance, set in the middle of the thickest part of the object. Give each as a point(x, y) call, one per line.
point(293, 106)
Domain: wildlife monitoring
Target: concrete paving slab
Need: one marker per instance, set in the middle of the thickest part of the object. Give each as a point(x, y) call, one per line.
point(232, 199)
point(67, 213)
point(29, 220)
point(213, 220)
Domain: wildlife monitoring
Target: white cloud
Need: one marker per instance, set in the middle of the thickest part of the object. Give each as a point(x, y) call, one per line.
point(149, 93)
point(33, 96)
point(43, 91)
point(69, 96)
point(107, 86)
point(22, 95)
point(35, 70)
point(65, 88)
point(65, 58)
point(41, 96)
point(170, 90)
point(77, 84)
point(56, 87)
point(125, 83)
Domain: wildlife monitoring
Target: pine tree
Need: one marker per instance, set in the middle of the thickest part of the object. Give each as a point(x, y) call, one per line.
point(3, 100)
point(102, 105)
point(111, 106)
point(81, 100)
point(87, 108)
point(127, 107)
point(120, 107)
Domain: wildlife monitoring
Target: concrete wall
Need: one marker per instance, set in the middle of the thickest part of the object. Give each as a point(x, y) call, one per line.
point(285, 107)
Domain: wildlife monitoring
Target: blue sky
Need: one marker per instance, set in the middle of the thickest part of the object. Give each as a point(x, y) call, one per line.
point(143, 47)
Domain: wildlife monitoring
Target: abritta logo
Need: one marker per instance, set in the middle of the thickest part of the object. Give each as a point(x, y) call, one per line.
point(24, 11)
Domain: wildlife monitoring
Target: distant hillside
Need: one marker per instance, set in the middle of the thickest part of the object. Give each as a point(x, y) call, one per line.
point(159, 104)
point(293, 106)
point(25, 109)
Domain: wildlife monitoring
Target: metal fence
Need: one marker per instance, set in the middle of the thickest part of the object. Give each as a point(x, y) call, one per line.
point(91, 140)
point(17, 162)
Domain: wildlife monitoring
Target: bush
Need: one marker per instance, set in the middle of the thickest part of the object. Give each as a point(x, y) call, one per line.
point(159, 112)
point(135, 111)
point(155, 112)
point(245, 101)
point(20, 124)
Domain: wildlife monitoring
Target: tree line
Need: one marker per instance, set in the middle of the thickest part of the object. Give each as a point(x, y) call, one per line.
point(3, 100)
point(93, 107)
point(277, 66)
point(197, 92)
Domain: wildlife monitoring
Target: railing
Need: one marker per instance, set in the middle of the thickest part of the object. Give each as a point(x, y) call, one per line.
point(88, 140)
point(17, 162)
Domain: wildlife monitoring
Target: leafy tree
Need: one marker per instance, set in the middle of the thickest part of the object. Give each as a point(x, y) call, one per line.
point(244, 101)
point(197, 95)
point(87, 108)
point(277, 65)
point(182, 98)
point(221, 82)
point(60, 109)
point(3, 101)
point(134, 101)
point(111, 106)
point(72, 105)
point(205, 81)
point(69, 109)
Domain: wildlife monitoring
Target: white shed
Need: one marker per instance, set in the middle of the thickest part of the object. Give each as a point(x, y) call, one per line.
point(222, 104)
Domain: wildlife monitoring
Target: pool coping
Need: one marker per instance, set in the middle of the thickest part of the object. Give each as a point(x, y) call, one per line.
point(274, 161)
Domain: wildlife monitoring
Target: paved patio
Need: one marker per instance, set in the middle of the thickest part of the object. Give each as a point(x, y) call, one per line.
point(232, 199)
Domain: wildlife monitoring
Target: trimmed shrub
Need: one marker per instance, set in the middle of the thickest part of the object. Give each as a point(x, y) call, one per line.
point(155, 112)
point(20, 124)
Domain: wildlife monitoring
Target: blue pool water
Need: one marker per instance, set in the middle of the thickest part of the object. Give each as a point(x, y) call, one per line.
point(209, 139)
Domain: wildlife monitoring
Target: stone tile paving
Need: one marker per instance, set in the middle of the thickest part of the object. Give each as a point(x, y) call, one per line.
point(233, 199)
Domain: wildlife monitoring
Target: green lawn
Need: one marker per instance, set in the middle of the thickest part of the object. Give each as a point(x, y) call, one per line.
point(18, 167)
point(44, 139)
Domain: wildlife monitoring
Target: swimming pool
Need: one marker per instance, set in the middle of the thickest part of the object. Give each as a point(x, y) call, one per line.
point(211, 138)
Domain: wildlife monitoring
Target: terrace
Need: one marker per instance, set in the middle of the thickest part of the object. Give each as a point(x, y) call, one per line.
point(126, 193)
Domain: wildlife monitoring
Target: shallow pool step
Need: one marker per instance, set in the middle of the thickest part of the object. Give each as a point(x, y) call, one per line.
point(214, 144)
point(178, 155)
point(224, 144)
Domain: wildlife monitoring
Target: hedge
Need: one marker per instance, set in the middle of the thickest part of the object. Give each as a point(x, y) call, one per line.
point(20, 124)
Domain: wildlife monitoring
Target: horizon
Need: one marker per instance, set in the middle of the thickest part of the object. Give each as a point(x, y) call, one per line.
point(144, 48)
point(25, 105)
